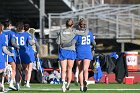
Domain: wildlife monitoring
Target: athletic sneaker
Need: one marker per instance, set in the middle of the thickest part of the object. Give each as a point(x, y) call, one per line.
point(11, 86)
point(81, 88)
point(27, 85)
point(63, 87)
point(17, 86)
point(68, 88)
point(85, 86)
point(23, 82)
point(1, 88)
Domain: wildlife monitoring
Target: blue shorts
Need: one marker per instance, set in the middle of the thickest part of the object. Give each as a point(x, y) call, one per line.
point(32, 56)
point(24, 58)
point(84, 55)
point(67, 54)
point(2, 62)
point(11, 59)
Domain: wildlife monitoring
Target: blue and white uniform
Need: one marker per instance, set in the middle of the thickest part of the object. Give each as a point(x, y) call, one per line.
point(2, 58)
point(22, 39)
point(9, 35)
point(83, 48)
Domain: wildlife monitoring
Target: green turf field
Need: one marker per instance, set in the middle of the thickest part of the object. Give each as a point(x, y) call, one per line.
point(94, 88)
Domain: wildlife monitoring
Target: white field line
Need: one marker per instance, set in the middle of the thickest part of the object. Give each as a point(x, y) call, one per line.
point(58, 89)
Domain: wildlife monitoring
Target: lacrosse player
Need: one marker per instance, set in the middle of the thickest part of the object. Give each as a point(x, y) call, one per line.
point(34, 49)
point(24, 40)
point(12, 46)
point(84, 53)
point(3, 49)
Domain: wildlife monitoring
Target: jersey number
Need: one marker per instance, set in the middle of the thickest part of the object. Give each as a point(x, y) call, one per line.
point(86, 40)
point(21, 41)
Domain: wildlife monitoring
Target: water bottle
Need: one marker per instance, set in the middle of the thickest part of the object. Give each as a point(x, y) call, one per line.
point(106, 79)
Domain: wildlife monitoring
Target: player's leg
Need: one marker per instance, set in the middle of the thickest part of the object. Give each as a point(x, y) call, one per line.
point(86, 64)
point(69, 72)
point(17, 78)
point(13, 65)
point(76, 75)
point(80, 67)
point(63, 73)
point(2, 80)
point(28, 73)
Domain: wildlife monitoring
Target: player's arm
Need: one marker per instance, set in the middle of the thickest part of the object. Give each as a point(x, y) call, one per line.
point(70, 43)
point(93, 42)
point(83, 33)
point(6, 51)
point(14, 44)
point(30, 40)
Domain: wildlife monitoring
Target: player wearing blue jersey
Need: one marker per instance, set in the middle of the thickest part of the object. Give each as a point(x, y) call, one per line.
point(84, 54)
point(23, 40)
point(10, 41)
point(35, 47)
point(3, 49)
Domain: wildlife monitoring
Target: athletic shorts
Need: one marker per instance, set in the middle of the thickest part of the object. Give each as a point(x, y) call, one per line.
point(2, 62)
point(84, 55)
point(11, 59)
point(23, 58)
point(67, 54)
point(32, 56)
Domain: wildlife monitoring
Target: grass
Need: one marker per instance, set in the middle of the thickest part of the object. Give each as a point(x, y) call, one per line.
point(95, 88)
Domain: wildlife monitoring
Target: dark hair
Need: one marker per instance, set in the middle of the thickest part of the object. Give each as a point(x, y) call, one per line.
point(20, 26)
point(81, 21)
point(26, 27)
point(67, 23)
point(6, 23)
point(1, 27)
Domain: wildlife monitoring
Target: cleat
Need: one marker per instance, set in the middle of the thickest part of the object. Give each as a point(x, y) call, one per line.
point(63, 87)
point(1, 88)
point(27, 86)
point(23, 82)
point(12, 87)
point(17, 86)
point(81, 89)
point(85, 86)
point(68, 88)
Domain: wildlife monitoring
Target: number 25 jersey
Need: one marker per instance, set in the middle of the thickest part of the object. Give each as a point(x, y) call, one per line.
point(83, 48)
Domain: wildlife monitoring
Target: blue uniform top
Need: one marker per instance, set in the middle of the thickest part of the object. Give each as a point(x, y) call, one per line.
point(83, 49)
point(83, 42)
point(2, 43)
point(9, 35)
point(22, 39)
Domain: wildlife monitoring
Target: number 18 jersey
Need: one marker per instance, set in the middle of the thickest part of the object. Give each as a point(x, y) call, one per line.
point(22, 39)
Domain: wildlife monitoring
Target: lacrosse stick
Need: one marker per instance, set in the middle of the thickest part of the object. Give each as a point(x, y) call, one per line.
point(38, 65)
